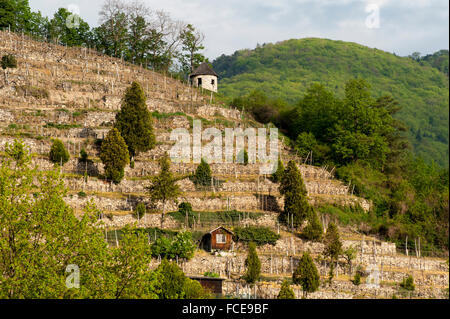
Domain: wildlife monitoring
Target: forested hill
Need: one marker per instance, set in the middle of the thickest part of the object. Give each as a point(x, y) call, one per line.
point(286, 69)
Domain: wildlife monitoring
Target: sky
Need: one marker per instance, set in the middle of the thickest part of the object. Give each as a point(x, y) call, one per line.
point(396, 26)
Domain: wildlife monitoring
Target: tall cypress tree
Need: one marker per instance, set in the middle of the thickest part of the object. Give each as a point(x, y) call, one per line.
point(114, 155)
point(134, 121)
point(295, 196)
point(306, 275)
point(333, 245)
point(253, 265)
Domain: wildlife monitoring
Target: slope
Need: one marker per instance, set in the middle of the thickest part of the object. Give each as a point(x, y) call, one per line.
point(287, 68)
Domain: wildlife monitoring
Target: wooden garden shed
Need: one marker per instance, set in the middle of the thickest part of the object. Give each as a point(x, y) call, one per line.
point(219, 238)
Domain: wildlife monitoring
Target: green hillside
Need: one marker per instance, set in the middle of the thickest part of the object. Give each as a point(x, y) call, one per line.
point(286, 69)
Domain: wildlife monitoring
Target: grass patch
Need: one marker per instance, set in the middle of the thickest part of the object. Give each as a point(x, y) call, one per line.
point(61, 126)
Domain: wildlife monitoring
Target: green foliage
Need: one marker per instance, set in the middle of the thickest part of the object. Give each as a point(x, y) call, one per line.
point(36, 269)
point(192, 44)
point(242, 157)
point(332, 242)
point(286, 69)
point(258, 235)
point(438, 60)
point(408, 283)
point(18, 152)
point(259, 105)
point(59, 126)
point(211, 274)
point(278, 175)
point(82, 194)
point(306, 275)
point(194, 290)
point(140, 210)
point(58, 153)
point(410, 199)
point(69, 29)
point(180, 246)
point(162, 186)
point(170, 281)
point(253, 265)
point(83, 155)
point(286, 291)
point(114, 155)
point(304, 143)
point(357, 279)
point(134, 121)
point(8, 62)
point(314, 229)
point(203, 174)
point(293, 189)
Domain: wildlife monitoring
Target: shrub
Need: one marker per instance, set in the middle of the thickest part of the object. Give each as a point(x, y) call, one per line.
point(203, 174)
point(258, 235)
point(181, 246)
point(408, 283)
point(242, 157)
point(276, 177)
point(357, 279)
point(140, 210)
point(286, 291)
point(211, 274)
point(83, 155)
point(82, 194)
point(8, 61)
point(58, 153)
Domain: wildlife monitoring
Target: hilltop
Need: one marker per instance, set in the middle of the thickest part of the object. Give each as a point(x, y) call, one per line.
point(286, 69)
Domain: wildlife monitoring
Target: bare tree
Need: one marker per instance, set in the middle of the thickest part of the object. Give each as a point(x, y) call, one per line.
point(114, 24)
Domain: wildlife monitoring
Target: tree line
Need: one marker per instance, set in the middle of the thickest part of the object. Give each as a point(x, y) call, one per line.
point(131, 31)
point(366, 146)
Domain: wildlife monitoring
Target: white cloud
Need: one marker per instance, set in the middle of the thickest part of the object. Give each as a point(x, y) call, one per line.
point(405, 26)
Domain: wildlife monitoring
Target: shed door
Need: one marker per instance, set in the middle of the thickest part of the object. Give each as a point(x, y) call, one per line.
point(199, 82)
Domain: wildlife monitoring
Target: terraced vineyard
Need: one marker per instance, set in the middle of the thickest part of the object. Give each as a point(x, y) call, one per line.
point(73, 94)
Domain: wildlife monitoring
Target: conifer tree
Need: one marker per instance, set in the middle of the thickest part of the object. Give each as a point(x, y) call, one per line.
point(333, 245)
point(293, 189)
point(286, 291)
point(58, 153)
point(203, 174)
point(278, 175)
point(314, 229)
point(253, 265)
point(163, 187)
point(114, 155)
point(306, 275)
point(134, 121)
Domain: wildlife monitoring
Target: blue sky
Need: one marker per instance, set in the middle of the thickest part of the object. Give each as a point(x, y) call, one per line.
point(404, 26)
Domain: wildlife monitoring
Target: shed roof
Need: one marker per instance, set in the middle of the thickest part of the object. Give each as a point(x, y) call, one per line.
point(203, 69)
point(227, 230)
